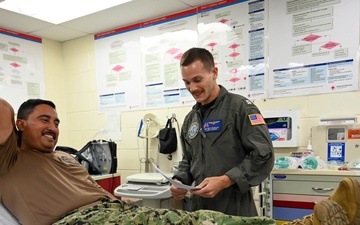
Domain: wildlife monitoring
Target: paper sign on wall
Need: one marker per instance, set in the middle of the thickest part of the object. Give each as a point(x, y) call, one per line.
point(336, 151)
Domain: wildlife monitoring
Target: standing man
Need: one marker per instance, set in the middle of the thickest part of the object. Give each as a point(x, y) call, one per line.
point(227, 146)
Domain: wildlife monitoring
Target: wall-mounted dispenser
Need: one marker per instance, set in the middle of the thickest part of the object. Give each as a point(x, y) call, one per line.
point(283, 126)
point(337, 138)
point(338, 120)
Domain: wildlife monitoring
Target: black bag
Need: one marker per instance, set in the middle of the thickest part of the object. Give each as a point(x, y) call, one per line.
point(167, 138)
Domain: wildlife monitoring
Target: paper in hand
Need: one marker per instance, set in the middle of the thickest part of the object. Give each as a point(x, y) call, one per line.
point(174, 182)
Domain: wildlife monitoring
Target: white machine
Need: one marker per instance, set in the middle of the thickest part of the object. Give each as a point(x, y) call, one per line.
point(150, 187)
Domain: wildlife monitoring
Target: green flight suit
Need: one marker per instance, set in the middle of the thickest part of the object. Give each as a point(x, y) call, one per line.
point(231, 139)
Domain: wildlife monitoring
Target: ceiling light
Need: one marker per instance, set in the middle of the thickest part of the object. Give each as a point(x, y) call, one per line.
point(57, 12)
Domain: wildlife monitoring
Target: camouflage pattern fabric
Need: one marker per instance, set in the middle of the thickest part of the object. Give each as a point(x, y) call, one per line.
point(111, 212)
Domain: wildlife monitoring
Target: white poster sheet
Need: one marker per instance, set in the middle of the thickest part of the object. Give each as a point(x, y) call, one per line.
point(313, 47)
point(21, 67)
point(235, 34)
point(163, 44)
point(118, 70)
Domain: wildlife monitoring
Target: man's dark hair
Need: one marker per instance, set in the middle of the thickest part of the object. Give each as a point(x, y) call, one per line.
point(201, 54)
point(27, 107)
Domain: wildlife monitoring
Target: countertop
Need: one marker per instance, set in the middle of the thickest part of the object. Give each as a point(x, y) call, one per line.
point(317, 172)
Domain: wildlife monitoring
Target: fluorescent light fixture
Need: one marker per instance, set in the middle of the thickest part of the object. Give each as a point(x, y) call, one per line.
point(57, 12)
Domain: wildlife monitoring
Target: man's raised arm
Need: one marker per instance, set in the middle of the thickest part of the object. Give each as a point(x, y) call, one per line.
point(7, 122)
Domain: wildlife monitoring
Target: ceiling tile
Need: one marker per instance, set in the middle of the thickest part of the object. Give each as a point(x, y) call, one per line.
point(129, 13)
point(58, 33)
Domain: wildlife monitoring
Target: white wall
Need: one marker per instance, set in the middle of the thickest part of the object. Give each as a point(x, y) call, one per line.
point(70, 81)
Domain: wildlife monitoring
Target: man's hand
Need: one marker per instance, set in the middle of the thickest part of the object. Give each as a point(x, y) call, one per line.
point(211, 186)
point(178, 193)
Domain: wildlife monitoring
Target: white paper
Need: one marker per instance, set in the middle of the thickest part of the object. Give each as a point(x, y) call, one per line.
point(174, 182)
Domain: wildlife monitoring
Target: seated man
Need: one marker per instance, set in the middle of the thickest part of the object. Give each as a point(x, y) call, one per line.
point(40, 186)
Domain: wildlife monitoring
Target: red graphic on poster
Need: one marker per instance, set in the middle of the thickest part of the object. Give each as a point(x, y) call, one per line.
point(14, 49)
point(311, 38)
point(233, 46)
point(223, 21)
point(172, 51)
point(234, 79)
point(118, 68)
point(233, 71)
point(15, 65)
point(330, 45)
point(212, 45)
point(178, 56)
point(234, 54)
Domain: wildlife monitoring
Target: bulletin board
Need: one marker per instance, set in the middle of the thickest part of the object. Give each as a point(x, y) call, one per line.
point(263, 49)
point(21, 67)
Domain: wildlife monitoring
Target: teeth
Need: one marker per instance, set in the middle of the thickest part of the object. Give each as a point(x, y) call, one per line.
point(49, 136)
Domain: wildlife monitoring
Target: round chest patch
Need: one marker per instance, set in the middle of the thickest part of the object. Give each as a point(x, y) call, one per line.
point(193, 130)
point(70, 161)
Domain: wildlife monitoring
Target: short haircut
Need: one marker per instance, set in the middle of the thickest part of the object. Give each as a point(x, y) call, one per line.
point(27, 107)
point(194, 54)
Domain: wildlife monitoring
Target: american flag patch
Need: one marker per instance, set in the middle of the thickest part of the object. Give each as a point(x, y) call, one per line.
point(256, 119)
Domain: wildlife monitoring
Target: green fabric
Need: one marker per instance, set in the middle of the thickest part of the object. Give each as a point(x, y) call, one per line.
point(111, 212)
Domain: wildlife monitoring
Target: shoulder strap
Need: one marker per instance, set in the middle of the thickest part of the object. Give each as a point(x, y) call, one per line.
point(168, 123)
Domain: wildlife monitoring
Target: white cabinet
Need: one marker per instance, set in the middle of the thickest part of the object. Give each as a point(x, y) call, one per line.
point(294, 193)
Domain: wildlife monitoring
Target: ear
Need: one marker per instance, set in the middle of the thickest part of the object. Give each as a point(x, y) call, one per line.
point(20, 124)
point(215, 72)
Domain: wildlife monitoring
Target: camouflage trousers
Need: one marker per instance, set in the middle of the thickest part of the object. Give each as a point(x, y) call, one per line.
point(113, 212)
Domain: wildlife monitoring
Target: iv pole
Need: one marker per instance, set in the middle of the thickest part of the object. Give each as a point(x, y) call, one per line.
point(149, 130)
point(147, 161)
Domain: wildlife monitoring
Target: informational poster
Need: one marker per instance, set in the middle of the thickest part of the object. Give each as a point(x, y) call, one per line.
point(234, 31)
point(163, 43)
point(21, 67)
point(138, 67)
point(313, 47)
point(118, 69)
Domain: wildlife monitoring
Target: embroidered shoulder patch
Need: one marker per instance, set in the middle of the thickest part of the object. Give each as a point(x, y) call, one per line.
point(193, 130)
point(256, 119)
point(69, 160)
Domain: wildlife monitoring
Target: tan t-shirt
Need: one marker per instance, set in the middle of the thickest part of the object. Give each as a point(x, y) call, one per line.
point(40, 187)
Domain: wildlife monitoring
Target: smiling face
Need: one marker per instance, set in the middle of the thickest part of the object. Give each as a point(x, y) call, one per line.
point(40, 130)
point(200, 82)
